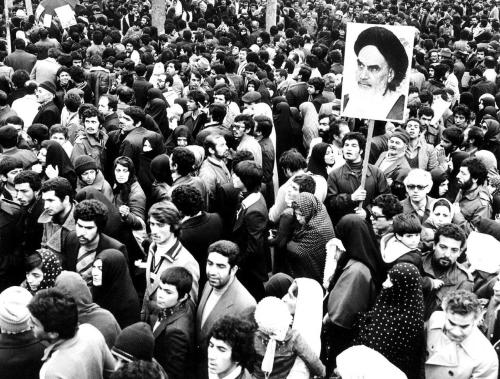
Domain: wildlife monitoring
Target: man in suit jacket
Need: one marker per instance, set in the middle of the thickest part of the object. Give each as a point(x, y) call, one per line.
point(297, 93)
point(393, 162)
point(223, 295)
point(249, 230)
point(141, 86)
point(173, 323)
point(20, 59)
point(49, 113)
point(87, 241)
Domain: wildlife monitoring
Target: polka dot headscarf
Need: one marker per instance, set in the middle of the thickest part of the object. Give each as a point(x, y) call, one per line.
point(51, 268)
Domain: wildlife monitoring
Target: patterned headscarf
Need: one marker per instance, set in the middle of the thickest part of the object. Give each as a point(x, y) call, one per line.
point(51, 268)
point(395, 325)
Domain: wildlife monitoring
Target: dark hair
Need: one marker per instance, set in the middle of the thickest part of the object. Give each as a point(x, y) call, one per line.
point(462, 110)
point(33, 261)
point(184, 159)
point(138, 369)
point(56, 311)
point(292, 160)
point(9, 163)
point(426, 111)
point(476, 168)
point(305, 182)
point(358, 137)
point(61, 187)
point(92, 210)
point(228, 249)
point(441, 203)
point(179, 277)
point(237, 333)
point(188, 200)
point(390, 47)
point(406, 223)
point(389, 204)
point(31, 177)
point(462, 302)
point(317, 83)
point(8, 140)
point(264, 125)
point(247, 120)
point(454, 134)
point(123, 189)
point(450, 231)
point(112, 101)
point(218, 111)
point(137, 114)
point(166, 212)
point(250, 174)
point(475, 133)
point(89, 112)
point(72, 101)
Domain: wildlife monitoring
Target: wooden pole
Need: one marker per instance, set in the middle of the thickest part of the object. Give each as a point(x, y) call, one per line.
point(7, 26)
point(369, 137)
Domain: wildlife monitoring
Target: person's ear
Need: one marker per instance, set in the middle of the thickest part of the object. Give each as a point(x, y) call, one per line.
point(391, 75)
point(3, 178)
point(54, 336)
point(234, 269)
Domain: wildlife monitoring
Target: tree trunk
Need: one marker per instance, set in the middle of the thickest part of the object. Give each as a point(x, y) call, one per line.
point(159, 12)
point(271, 14)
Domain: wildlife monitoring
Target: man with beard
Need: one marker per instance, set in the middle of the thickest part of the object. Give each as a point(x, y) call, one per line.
point(450, 157)
point(27, 184)
point(331, 130)
point(473, 201)
point(87, 240)
point(443, 273)
point(393, 162)
point(223, 295)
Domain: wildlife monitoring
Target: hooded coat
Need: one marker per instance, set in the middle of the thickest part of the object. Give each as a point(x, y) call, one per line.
point(88, 312)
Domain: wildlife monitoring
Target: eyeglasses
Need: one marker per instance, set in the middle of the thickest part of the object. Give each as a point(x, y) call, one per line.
point(376, 217)
point(411, 187)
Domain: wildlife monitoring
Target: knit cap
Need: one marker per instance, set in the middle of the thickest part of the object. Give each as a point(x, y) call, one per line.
point(402, 135)
point(49, 86)
point(84, 163)
point(14, 314)
point(135, 342)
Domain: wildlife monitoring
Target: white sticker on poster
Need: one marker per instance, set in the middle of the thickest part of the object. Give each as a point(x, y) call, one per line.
point(66, 16)
point(47, 20)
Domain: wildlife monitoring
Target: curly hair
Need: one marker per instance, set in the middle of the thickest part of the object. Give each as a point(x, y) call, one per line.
point(389, 204)
point(184, 159)
point(138, 369)
point(462, 302)
point(451, 231)
point(237, 333)
point(228, 249)
point(92, 210)
point(477, 169)
point(187, 199)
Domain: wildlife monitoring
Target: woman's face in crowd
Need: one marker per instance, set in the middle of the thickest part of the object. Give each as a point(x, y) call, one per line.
point(329, 157)
point(442, 215)
point(34, 278)
point(443, 188)
point(122, 174)
point(58, 137)
point(182, 141)
point(97, 273)
point(42, 156)
point(290, 299)
point(299, 216)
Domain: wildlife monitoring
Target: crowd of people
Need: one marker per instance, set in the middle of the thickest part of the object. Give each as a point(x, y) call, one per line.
point(193, 204)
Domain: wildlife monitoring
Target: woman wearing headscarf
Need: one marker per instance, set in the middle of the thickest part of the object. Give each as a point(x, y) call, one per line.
point(439, 183)
point(307, 249)
point(112, 287)
point(160, 168)
point(356, 282)
point(395, 325)
point(320, 164)
point(180, 137)
point(491, 130)
point(152, 146)
point(55, 162)
point(310, 125)
point(157, 108)
point(286, 134)
point(442, 213)
point(42, 269)
point(278, 285)
point(88, 312)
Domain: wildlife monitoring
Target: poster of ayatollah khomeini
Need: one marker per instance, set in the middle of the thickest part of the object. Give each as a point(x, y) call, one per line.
point(377, 68)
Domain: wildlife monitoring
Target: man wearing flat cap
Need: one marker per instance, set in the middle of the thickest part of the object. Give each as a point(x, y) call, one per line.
point(382, 64)
point(393, 162)
point(48, 114)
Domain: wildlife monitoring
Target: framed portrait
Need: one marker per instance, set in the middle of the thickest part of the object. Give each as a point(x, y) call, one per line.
point(377, 68)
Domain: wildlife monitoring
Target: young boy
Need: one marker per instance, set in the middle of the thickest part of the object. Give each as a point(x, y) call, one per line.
point(173, 323)
point(403, 244)
point(59, 134)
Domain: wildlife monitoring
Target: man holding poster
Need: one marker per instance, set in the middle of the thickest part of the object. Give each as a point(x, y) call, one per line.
point(376, 88)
